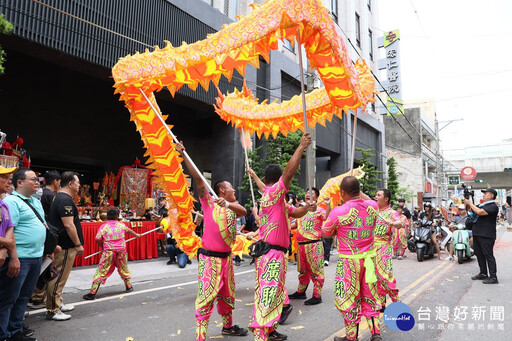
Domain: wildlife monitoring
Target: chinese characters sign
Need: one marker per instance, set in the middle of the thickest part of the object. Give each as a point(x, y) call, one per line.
point(394, 85)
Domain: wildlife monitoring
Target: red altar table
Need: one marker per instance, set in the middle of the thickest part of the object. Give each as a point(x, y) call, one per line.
point(144, 247)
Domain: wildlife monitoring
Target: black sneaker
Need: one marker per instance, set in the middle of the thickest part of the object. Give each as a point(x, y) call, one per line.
point(284, 315)
point(189, 262)
point(313, 300)
point(20, 337)
point(171, 262)
point(235, 331)
point(298, 295)
point(27, 331)
point(490, 280)
point(89, 297)
point(479, 276)
point(129, 289)
point(338, 338)
point(275, 336)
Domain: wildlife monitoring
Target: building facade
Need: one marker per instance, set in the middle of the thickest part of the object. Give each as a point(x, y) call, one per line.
point(412, 139)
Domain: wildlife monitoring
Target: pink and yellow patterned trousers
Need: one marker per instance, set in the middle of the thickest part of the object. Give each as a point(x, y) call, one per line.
point(269, 293)
point(110, 260)
point(216, 281)
point(354, 298)
point(400, 240)
point(386, 282)
point(311, 267)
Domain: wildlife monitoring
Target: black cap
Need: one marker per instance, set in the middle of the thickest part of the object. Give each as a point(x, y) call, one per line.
point(492, 190)
point(401, 200)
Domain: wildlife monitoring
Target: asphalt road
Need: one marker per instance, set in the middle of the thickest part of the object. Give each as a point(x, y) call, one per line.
point(162, 305)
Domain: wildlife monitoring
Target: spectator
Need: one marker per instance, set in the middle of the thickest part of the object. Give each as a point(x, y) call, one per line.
point(19, 273)
point(173, 251)
point(64, 216)
point(51, 186)
point(428, 214)
point(416, 213)
point(406, 212)
point(459, 218)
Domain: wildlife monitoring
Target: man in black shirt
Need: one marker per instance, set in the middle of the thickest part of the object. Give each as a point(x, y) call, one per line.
point(406, 213)
point(484, 235)
point(64, 216)
point(51, 186)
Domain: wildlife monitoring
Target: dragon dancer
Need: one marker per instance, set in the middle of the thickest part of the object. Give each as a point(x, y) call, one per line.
point(110, 238)
point(387, 220)
point(355, 283)
point(310, 264)
point(216, 278)
point(271, 262)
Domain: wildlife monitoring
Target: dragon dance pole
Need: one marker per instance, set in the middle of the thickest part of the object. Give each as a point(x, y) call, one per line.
point(303, 91)
point(176, 141)
point(353, 143)
point(247, 166)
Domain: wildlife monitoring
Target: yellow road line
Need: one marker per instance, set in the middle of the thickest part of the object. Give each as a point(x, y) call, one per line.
point(363, 326)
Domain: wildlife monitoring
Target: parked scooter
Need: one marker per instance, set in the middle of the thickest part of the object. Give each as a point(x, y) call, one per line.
point(423, 240)
point(460, 240)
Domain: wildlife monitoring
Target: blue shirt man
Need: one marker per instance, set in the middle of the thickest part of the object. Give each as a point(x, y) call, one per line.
point(19, 273)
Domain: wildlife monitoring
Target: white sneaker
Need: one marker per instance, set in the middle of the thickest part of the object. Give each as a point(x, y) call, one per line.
point(449, 258)
point(58, 316)
point(326, 263)
point(66, 307)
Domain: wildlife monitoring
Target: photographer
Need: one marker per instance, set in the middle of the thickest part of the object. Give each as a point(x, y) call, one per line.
point(484, 235)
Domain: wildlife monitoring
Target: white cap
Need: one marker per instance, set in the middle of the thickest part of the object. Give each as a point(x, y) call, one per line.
point(461, 207)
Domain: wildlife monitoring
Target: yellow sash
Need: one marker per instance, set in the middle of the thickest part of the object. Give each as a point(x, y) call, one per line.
point(369, 264)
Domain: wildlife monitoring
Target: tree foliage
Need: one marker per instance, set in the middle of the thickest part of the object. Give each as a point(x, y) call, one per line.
point(392, 183)
point(370, 180)
point(5, 28)
point(278, 151)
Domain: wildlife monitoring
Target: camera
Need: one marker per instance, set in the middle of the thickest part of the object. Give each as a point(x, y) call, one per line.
point(468, 191)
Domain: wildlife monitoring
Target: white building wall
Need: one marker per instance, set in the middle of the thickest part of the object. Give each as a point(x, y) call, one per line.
point(409, 171)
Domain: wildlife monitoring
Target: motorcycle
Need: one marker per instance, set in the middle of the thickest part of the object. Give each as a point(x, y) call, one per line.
point(461, 247)
point(423, 240)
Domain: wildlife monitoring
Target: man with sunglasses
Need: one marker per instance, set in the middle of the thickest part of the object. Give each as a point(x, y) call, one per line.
point(19, 273)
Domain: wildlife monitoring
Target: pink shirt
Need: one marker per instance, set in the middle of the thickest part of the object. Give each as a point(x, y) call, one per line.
point(273, 215)
point(353, 224)
point(112, 235)
point(219, 225)
point(382, 230)
point(310, 225)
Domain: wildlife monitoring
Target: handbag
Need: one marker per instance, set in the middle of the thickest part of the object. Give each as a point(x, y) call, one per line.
point(50, 273)
point(52, 238)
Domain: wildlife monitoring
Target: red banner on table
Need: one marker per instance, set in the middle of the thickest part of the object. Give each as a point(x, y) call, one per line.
point(140, 248)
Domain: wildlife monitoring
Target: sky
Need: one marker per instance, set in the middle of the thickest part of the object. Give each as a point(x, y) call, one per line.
point(458, 52)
